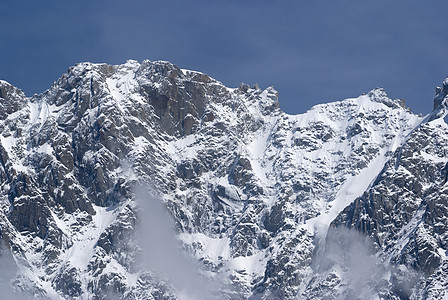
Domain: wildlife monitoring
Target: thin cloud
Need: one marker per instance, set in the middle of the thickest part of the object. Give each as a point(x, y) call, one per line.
point(162, 252)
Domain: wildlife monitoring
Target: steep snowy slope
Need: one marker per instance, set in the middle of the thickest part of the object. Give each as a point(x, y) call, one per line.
point(405, 211)
point(250, 189)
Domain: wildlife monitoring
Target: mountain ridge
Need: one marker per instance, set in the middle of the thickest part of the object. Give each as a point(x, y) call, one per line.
point(251, 189)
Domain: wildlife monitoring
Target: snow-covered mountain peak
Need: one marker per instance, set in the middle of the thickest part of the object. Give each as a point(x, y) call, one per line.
point(252, 190)
point(380, 95)
point(11, 99)
point(8, 91)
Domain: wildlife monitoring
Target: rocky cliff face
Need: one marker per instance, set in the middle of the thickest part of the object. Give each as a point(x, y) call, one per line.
point(250, 190)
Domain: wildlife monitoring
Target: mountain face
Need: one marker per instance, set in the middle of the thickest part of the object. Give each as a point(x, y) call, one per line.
point(146, 181)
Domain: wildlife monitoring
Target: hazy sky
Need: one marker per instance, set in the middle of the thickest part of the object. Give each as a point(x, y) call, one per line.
point(310, 51)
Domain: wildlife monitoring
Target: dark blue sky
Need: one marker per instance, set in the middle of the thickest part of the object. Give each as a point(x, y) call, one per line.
point(310, 51)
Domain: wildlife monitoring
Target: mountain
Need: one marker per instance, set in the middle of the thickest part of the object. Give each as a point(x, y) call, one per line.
point(146, 181)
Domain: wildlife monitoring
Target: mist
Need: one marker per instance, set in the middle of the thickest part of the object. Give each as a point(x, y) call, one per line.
point(8, 271)
point(162, 252)
point(355, 255)
point(364, 273)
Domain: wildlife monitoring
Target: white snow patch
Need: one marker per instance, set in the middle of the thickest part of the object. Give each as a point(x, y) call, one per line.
point(84, 242)
point(40, 112)
point(214, 249)
point(253, 265)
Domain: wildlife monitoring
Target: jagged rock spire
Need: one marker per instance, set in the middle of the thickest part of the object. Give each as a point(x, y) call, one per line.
point(440, 102)
point(441, 93)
